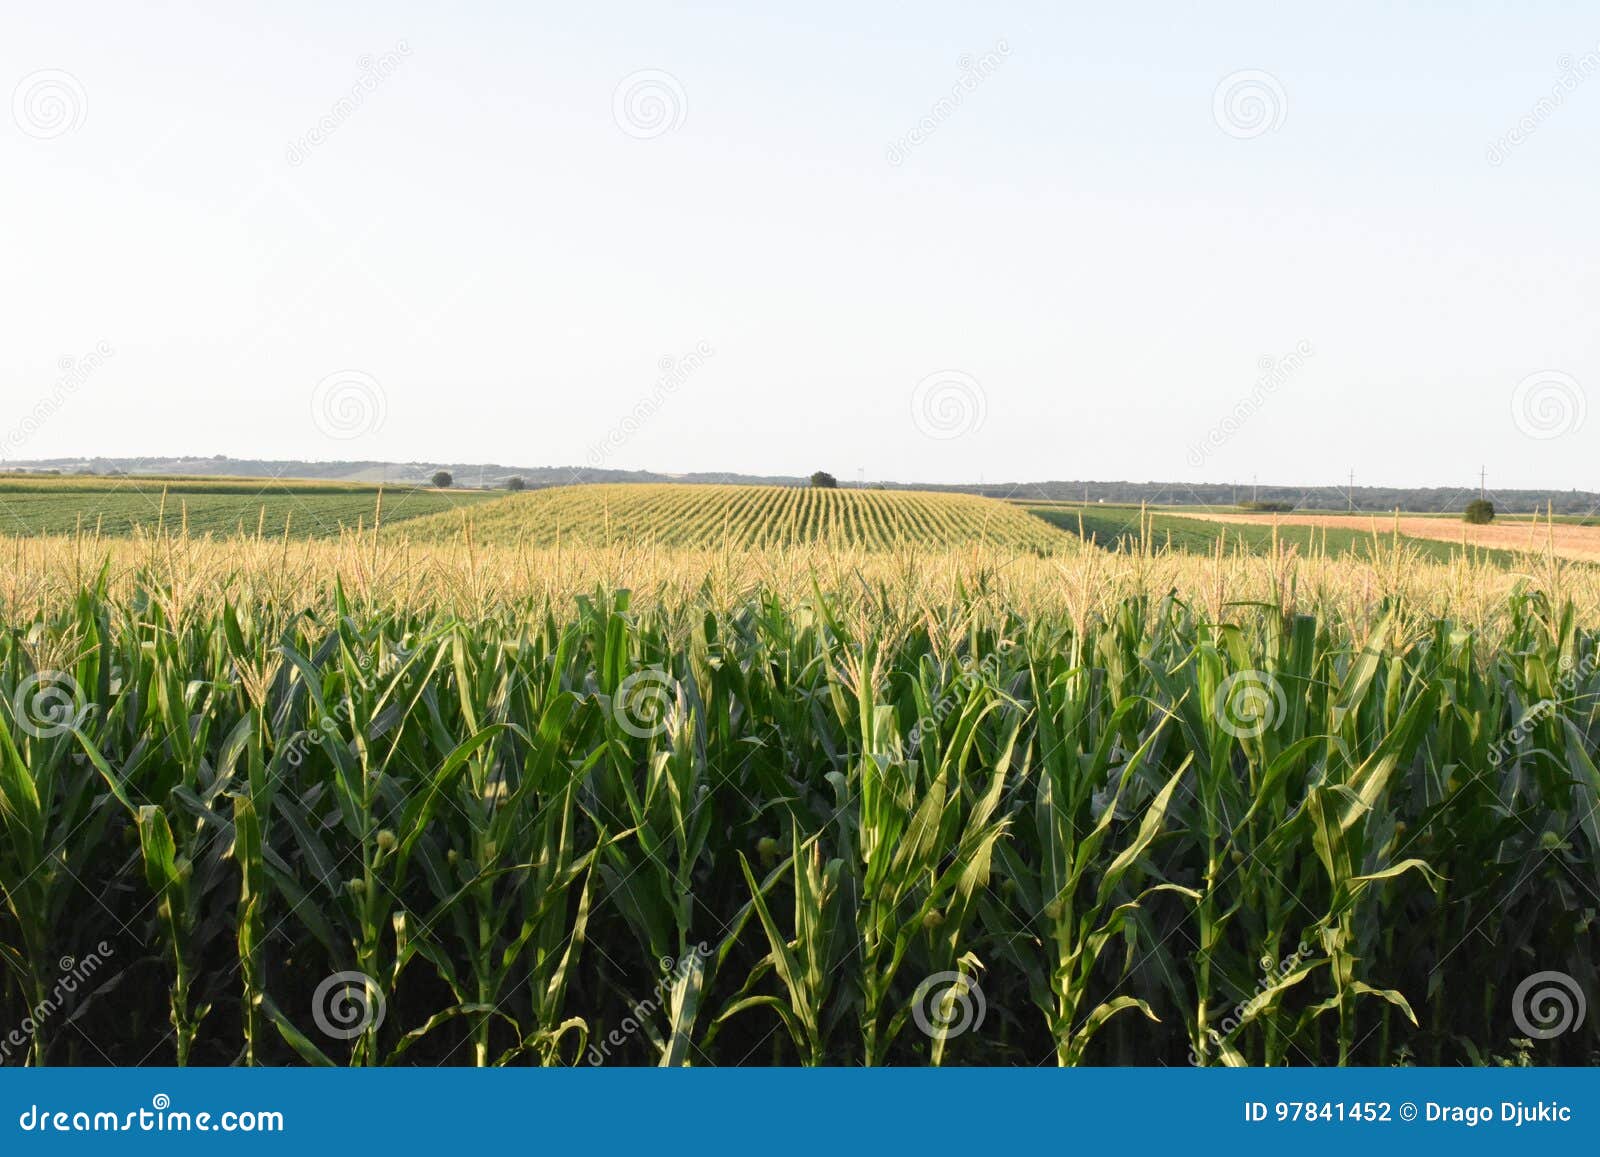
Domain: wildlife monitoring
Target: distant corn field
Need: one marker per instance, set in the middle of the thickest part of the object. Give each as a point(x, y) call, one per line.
point(741, 517)
point(368, 801)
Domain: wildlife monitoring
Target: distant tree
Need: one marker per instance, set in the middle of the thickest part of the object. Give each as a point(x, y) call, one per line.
point(824, 480)
point(442, 479)
point(1479, 512)
point(516, 483)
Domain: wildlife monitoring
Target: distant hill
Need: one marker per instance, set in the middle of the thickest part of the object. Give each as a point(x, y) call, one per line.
point(487, 475)
point(495, 476)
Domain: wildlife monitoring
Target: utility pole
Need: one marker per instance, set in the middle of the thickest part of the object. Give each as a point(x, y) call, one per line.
point(1483, 476)
point(1255, 488)
point(1350, 495)
point(861, 477)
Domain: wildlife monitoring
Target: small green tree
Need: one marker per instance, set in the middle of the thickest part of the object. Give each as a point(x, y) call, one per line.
point(516, 483)
point(824, 480)
point(442, 479)
point(1479, 512)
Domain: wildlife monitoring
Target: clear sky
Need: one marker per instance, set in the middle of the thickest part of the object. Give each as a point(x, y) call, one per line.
point(928, 241)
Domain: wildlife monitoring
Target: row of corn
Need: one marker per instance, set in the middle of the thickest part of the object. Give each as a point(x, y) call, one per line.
point(821, 831)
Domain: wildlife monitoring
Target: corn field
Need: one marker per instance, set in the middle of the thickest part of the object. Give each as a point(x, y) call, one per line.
point(741, 517)
point(358, 804)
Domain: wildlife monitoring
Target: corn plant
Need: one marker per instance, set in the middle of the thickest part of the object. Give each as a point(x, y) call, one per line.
point(1144, 809)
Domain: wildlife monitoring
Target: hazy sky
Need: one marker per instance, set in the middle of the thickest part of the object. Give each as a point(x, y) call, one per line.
point(930, 241)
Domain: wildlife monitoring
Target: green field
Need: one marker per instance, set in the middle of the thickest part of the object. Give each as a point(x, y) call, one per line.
point(1118, 528)
point(35, 505)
